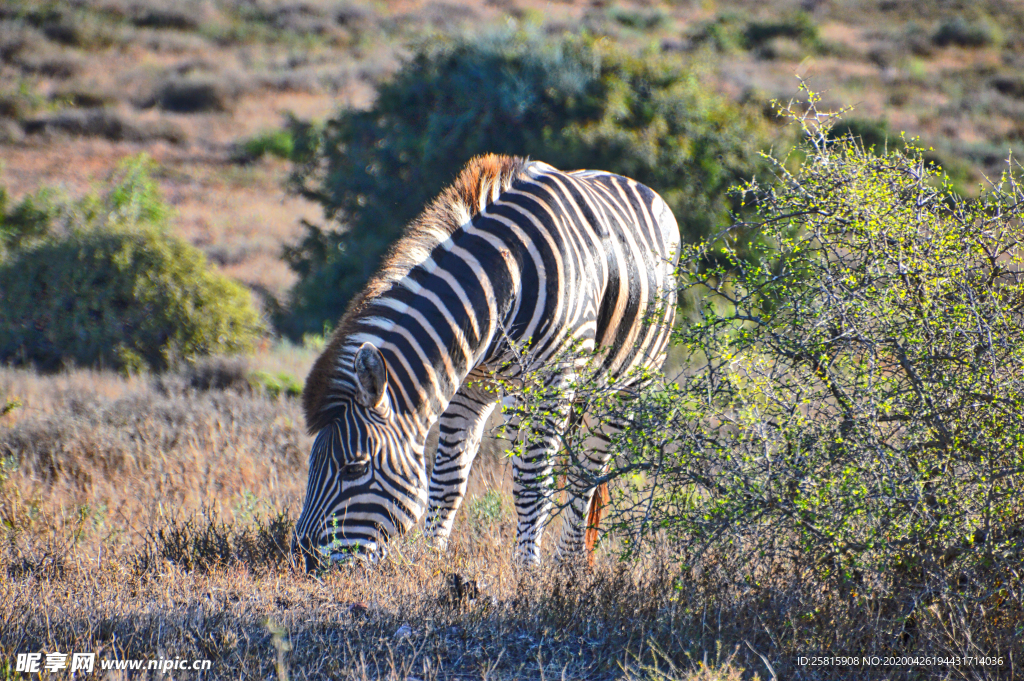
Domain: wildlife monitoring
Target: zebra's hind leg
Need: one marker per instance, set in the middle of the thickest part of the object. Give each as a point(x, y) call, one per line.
point(461, 428)
point(578, 516)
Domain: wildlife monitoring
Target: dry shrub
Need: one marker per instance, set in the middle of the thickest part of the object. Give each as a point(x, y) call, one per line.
point(447, 17)
point(203, 587)
point(17, 39)
point(303, 19)
point(173, 42)
point(354, 15)
point(298, 80)
point(74, 29)
point(53, 64)
point(29, 50)
point(180, 18)
point(106, 123)
point(1011, 85)
point(16, 105)
point(220, 373)
point(10, 132)
point(198, 93)
point(205, 542)
point(82, 95)
point(181, 15)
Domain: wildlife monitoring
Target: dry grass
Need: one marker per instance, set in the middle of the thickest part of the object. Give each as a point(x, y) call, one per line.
point(92, 448)
point(145, 519)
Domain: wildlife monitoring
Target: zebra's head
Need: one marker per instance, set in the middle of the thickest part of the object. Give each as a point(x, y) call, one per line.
point(366, 478)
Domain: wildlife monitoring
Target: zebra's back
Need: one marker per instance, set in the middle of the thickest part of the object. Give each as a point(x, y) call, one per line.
point(596, 253)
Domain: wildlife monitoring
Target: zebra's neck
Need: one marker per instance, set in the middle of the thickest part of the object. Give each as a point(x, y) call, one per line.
point(439, 322)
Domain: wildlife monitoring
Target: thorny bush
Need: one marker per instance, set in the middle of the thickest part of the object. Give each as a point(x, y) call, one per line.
point(852, 391)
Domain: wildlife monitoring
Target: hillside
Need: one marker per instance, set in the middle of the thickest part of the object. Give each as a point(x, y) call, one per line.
point(86, 83)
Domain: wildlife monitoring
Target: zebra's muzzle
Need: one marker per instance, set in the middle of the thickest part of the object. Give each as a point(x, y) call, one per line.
point(320, 557)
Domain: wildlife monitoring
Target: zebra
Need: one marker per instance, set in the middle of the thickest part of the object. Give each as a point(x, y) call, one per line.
point(513, 252)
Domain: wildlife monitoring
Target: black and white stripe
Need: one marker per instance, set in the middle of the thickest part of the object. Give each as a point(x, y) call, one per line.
point(531, 255)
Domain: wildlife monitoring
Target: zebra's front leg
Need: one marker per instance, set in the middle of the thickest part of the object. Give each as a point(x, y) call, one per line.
point(587, 463)
point(461, 428)
point(533, 484)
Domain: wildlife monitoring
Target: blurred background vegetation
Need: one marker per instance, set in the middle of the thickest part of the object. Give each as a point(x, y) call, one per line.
point(293, 141)
point(98, 281)
point(573, 102)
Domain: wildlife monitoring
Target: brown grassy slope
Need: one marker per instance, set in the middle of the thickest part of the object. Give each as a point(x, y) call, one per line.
point(93, 448)
point(248, 63)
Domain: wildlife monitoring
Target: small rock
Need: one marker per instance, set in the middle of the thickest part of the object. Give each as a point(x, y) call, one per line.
point(459, 590)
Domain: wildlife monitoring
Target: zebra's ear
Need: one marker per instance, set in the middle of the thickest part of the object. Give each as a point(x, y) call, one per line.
point(371, 375)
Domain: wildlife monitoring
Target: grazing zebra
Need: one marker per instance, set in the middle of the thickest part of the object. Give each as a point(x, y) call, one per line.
point(514, 251)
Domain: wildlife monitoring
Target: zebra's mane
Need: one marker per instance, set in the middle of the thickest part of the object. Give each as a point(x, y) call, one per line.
point(480, 183)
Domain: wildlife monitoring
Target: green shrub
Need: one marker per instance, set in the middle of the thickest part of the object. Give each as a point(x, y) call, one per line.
point(728, 32)
point(639, 20)
point(9, 405)
point(799, 27)
point(27, 221)
point(275, 384)
point(119, 297)
point(724, 33)
point(577, 103)
point(279, 143)
point(963, 33)
point(102, 284)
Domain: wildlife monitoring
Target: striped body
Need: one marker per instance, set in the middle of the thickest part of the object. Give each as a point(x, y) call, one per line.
point(515, 252)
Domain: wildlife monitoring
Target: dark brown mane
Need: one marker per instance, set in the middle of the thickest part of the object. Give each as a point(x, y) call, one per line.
point(479, 183)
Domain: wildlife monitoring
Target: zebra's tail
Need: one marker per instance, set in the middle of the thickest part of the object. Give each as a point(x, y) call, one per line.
point(597, 503)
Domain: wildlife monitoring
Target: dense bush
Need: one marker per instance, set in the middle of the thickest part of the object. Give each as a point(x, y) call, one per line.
point(729, 32)
point(577, 103)
point(963, 33)
point(277, 143)
point(27, 221)
point(98, 282)
point(853, 392)
point(193, 94)
point(874, 135)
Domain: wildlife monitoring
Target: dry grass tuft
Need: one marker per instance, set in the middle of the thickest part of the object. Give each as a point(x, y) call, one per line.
point(104, 452)
point(220, 373)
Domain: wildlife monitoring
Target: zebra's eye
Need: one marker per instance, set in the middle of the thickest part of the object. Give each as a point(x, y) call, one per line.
point(356, 469)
